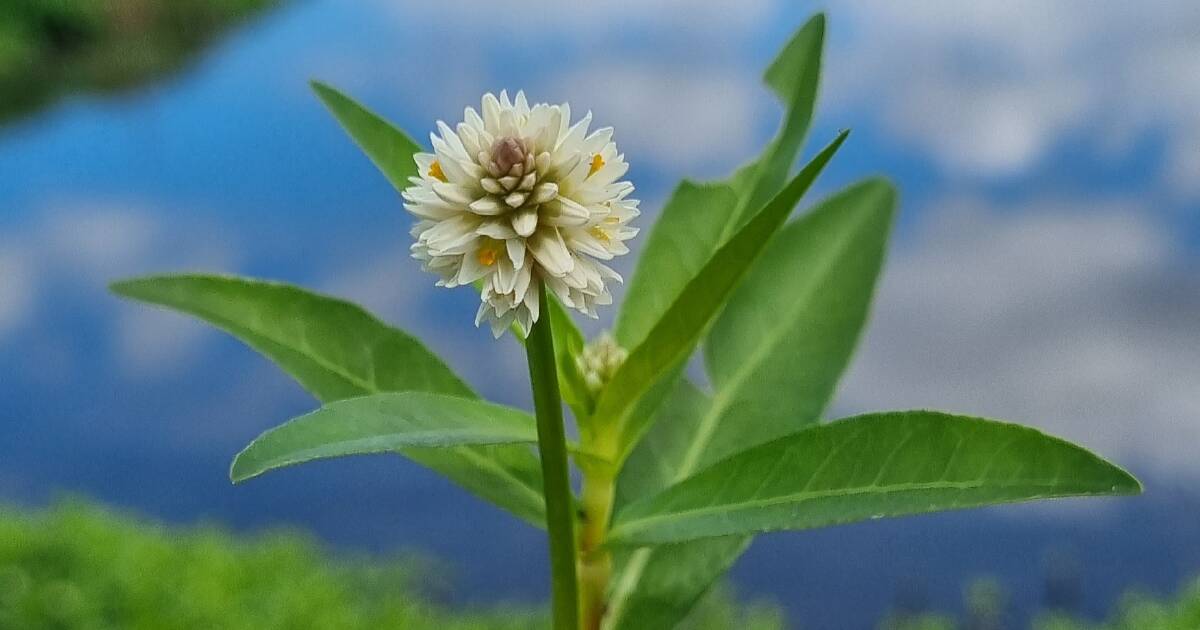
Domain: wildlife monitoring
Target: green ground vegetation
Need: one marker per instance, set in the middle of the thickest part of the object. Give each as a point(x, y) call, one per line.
point(986, 610)
point(52, 48)
point(77, 566)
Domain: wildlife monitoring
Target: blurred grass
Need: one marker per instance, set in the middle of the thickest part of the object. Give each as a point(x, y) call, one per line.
point(79, 566)
point(50, 48)
point(1136, 611)
point(1139, 611)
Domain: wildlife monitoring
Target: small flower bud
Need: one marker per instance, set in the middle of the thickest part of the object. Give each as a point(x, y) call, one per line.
point(599, 362)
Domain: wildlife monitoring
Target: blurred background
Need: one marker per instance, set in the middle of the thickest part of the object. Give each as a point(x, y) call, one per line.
point(1044, 269)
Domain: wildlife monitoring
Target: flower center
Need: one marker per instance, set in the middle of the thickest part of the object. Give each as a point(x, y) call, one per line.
point(507, 153)
point(512, 184)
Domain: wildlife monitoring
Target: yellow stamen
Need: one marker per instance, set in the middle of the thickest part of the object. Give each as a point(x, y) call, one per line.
point(487, 255)
point(600, 234)
point(435, 171)
point(597, 164)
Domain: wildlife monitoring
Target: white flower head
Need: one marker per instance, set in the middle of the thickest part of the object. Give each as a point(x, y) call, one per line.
point(520, 199)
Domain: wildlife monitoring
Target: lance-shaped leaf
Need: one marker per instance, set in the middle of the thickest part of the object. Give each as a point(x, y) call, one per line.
point(699, 218)
point(568, 344)
point(383, 423)
point(675, 336)
point(654, 464)
point(657, 587)
point(774, 355)
point(776, 352)
point(869, 467)
point(390, 149)
point(794, 76)
point(337, 350)
point(689, 230)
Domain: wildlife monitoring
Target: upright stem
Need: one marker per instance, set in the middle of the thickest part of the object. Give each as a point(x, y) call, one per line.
point(552, 444)
point(595, 561)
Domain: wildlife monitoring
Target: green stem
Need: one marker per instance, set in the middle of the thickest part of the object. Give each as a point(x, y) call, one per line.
point(595, 561)
point(552, 444)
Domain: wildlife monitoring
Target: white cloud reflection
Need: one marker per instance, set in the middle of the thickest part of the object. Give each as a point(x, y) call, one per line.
point(17, 287)
point(1069, 315)
point(990, 88)
point(78, 247)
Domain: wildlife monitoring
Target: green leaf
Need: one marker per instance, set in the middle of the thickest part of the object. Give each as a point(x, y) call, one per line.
point(687, 233)
point(568, 344)
point(794, 76)
point(334, 348)
point(699, 218)
point(656, 588)
point(776, 352)
point(390, 149)
point(383, 423)
point(775, 355)
point(337, 350)
point(872, 466)
point(653, 465)
point(675, 335)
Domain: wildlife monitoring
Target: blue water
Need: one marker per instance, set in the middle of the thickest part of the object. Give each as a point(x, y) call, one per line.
point(233, 166)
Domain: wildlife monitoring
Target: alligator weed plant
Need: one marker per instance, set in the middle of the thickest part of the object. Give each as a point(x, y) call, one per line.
point(523, 205)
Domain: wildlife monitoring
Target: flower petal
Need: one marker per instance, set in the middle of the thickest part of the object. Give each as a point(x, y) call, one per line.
point(525, 221)
point(551, 252)
point(516, 251)
point(487, 206)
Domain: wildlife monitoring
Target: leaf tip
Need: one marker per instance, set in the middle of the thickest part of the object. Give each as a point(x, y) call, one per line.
point(128, 287)
point(326, 93)
point(817, 21)
point(834, 146)
point(1126, 483)
point(120, 287)
point(238, 472)
point(883, 189)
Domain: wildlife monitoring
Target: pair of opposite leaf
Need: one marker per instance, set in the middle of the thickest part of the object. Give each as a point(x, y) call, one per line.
point(778, 307)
